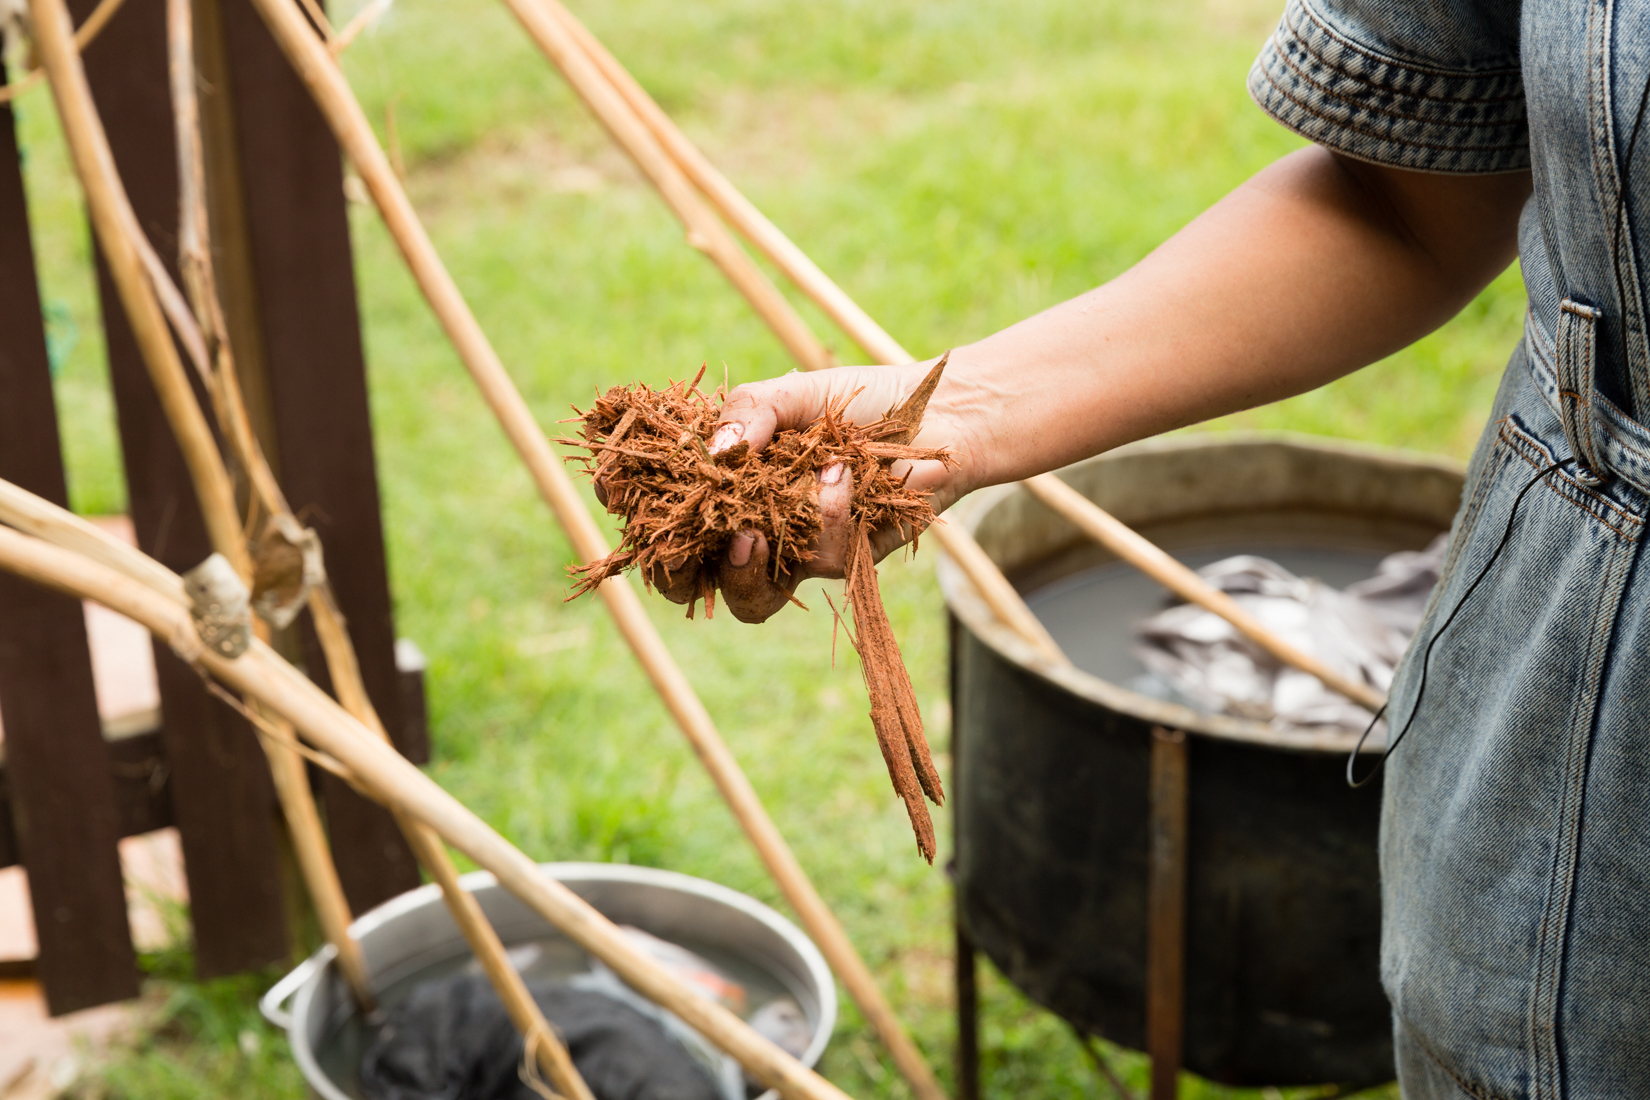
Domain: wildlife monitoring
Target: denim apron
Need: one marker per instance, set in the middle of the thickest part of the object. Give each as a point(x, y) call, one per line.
point(1515, 839)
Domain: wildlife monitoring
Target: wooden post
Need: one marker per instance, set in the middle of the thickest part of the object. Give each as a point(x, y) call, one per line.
point(57, 766)
point(224, 802)
point(965, 962)
point(314, 385)
point(1166, 912)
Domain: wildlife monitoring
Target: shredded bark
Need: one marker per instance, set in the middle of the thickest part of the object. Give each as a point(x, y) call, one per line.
point(682, 506)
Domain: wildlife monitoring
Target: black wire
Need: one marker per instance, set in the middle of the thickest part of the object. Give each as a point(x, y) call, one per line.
point(1426, 658)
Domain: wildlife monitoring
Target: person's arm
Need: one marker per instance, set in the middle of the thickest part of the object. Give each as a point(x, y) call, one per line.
point(1312, 269)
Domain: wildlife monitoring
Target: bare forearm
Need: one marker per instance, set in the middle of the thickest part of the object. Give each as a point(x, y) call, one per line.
point(1312, 269)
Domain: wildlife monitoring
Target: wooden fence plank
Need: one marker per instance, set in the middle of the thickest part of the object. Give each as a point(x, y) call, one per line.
point(223, 800)
point(142, 791)
point(298, 230)
point(63, 805)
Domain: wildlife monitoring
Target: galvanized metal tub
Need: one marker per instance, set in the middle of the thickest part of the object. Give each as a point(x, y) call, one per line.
point(1283, 905)
point(413, 934)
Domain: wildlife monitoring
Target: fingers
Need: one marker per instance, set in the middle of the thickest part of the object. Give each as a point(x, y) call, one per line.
point(754, 411)
point(836, 496)
point(746, 575)
point(752, 414)
point(746, 579)
point(677, 580)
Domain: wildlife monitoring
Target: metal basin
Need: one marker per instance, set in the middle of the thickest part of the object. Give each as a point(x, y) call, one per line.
point(1283, 904)
point(413, 936)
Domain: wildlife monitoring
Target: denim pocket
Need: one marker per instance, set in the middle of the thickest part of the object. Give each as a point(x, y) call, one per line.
point(1482, 811)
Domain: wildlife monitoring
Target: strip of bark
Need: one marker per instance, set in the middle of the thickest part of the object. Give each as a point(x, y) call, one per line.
point(894, 711)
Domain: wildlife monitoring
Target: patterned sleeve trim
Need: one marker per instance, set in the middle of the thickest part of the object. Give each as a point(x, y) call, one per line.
point(1341, 94)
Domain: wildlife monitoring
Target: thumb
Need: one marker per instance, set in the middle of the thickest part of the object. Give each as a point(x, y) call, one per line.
point(755, 411)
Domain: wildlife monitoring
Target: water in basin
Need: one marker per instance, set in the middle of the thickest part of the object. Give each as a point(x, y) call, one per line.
point(1092, 614)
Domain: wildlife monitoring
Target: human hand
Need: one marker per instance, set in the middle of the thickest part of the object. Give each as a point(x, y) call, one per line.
point(754, 412)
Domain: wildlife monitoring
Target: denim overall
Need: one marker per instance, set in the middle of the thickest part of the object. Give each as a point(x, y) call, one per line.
point(1515, 840)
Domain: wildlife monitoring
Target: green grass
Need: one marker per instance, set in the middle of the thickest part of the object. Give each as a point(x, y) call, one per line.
point(955, 165)
point(196, 1040)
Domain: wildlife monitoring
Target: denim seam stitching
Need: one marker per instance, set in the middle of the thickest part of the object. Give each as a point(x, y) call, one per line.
point(1549, 960)
point(1547, 359)
point(1546, 1066)
point(1612, 179)
point(1471, 1090)
point(1572, 406)
point(1541, 337)
point(1607, 177)
point(1598, 122)
point(1475, 506)
point(1573, 491)
point(1402, 143)
point(1584, 409)
point(1283, 55)
point(1549, 965)
point(1406, 66)
point(1594, 111)
point(1566, 853)
point(1309, 47)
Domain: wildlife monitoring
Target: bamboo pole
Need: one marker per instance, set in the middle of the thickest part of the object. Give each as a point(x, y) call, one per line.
point(211, 328)
point(195, 261)
point(733, 206)
point(600, 80)
point(117, 229)
point(704, 231)
point(998, 591)
point(116, 226)
point(540, 1038)
point(326, 83)
point(260, 674)
point(38, 517)
point(309, 844)
point(363, 19)
point(84, 35)
point(61, 528)
point(1083, 513)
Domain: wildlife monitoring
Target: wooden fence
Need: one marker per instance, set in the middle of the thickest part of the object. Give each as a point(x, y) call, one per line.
point(67, 792)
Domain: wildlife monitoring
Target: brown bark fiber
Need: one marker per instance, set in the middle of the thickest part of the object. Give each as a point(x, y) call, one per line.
point(682, 506)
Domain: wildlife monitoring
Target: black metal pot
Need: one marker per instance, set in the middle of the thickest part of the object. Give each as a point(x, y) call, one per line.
point(1282, 898)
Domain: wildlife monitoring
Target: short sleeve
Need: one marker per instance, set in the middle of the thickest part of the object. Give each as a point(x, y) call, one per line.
point(1431, 85)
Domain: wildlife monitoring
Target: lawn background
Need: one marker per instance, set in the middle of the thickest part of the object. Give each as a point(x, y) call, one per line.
point(955, 165)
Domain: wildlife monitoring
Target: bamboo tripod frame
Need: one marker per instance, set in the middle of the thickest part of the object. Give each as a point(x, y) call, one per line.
point(204, 334)
point(126, 581)
point(319, 70)
point(671, 164)
point(592, 72)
